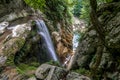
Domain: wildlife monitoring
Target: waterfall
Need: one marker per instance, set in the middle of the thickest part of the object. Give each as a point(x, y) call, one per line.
point(46, 40)
point(75, 41)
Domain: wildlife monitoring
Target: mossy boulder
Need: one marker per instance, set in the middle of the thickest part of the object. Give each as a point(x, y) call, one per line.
point(13, 45)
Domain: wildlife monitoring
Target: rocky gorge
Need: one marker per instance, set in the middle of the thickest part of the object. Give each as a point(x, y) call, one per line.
point(19, 39)
point(24, 53)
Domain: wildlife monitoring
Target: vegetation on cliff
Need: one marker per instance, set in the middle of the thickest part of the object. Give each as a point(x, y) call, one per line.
point(55, 10)
point(97, 51)
point(98, 54)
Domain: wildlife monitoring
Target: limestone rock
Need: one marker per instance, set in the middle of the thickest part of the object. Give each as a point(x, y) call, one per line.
point(3, 25)
point(107, 63)
point(76, 76)
point(10, 73)
point(49, 72)
point(63, 42)
point(92, 33)
point(32, 78)
point(2, 60)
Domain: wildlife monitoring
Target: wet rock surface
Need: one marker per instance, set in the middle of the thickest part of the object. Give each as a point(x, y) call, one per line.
point(106, 63)
point(18, 39)
point(76, 76)
point(49, 72)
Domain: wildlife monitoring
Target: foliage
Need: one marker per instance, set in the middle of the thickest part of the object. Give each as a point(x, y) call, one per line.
point(82, 71)
point(82, 8)
point(107, 1)
point(56, 10)
point(37, 4)
point(25, 68)
point(17, 44)
point(85, 10)
point(25, 49)
point(10, 60)
point(55, 63)
point(77, 8)
point(22, 53)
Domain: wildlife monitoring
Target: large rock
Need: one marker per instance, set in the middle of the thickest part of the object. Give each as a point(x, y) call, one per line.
point(32, 78)
point(12, 40)
point(85, 51)
point(63, 43)
point(89, 55)
point(14, 34)
point(76, 76)
point(62, 37)
point(49, 72)
point(15, 28)
point(10, 73)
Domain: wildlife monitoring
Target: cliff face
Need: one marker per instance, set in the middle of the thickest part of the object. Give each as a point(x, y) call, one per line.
point(13, 24)
point(19, 41)
point(63, 42)
point(102, 59)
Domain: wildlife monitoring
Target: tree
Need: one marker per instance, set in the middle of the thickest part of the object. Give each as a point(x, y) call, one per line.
point(94, 19)
point(77, 8)
point(37, 4)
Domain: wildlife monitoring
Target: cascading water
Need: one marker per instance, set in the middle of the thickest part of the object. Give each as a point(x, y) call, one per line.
point(75, 41)
point(46, 40)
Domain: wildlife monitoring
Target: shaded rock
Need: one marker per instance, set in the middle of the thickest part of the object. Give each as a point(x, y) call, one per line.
point(114, 76)
point(63, 42)
point(92, 33)
point(13, 39)
point(49, 72)
point(10, 73)
point(12, 46)
point(85, 50)
point(32, 78)
point(76, 76)
point(106, 64)
point(19, 29)
point(3, 25)
point(2, 60)
point(113, 31)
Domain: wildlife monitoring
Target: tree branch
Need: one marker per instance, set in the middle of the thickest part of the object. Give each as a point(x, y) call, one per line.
point(94, 19)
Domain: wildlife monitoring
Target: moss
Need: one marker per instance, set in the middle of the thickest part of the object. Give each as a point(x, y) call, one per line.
point(24, 69)
point(11, 49)
point(55, 63)
point(82, 71)
point(22, 53)
point(10, 60)
point(20, 42)
point(28, 51)
point(16, 45)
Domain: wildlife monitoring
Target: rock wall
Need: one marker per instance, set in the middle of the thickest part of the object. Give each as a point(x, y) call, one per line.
point(63, 42)
point(19, 42)
point(101, 59)
point(49, 72)
point(62, 35)
point(15, 31)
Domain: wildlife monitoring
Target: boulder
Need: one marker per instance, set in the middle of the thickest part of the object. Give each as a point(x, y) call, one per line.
point(76, 76)
point(32, 78)
point(101, 57)
point(49, 72)
point(3, 25)
point(10, 73)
